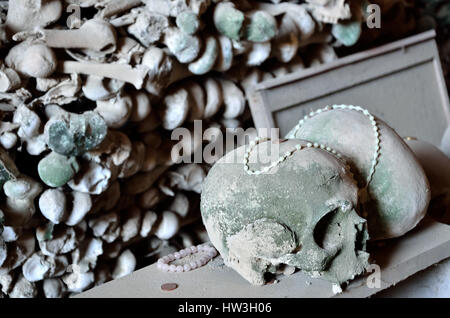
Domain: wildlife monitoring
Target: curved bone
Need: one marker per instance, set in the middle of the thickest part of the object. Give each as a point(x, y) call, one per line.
point(234, 99)
point(197, 101)
point(126, 263)
point(53, 288)
point(130, 228)
point(214, 97)
point(98, 88)
point(175, 108)
point(141, 106)
point(180, 205)
point(116, 110)
point(225, 57)
point(148, 221)
point(168, 225)
point(286, 42)
point(150, 198)
point(258, 53)
point(206, 62)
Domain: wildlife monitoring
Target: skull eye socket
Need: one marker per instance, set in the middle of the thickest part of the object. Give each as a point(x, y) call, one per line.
point(328, 231)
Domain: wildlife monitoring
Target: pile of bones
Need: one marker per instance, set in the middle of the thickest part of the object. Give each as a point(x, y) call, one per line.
point(90, 91)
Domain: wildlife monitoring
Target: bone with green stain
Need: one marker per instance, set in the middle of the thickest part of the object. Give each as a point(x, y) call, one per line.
point(347, 33)
point(188, 22)
point(302, 213)
point(56, 170)
point(229, 21)
point(262, 27)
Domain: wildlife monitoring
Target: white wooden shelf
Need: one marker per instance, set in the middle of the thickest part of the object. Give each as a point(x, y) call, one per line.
point(400, 258)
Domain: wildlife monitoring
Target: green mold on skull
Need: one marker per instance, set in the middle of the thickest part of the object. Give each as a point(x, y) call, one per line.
point(301, 213)
point(75, 134)
point(229, 21)
point(8, 169)
point(399, 192)
point(262, 27)
point(56, 170)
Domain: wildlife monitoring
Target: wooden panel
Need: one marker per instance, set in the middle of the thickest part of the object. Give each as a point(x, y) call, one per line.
point(402, 83)
point(426, 245)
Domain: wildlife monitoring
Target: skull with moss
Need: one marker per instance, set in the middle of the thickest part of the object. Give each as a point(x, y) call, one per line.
point(301, 213)
point(395, 191)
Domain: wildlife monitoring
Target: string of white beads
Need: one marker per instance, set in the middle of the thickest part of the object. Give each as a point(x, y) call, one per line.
point(282, 158)
point(164, 262)
point(373, 122)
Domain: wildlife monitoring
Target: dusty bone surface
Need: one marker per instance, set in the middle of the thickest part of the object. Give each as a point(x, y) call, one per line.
point(89, 188)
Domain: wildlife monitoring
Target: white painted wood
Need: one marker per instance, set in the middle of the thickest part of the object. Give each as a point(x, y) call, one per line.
point(399, 258)
point(402, 83)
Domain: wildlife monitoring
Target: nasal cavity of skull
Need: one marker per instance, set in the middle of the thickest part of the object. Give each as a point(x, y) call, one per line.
point(328, 231)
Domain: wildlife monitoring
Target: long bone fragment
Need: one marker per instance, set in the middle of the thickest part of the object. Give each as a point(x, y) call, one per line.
point(122, 72)
point(94, 34)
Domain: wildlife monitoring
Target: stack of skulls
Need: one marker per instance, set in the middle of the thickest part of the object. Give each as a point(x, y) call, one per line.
point(90, 92)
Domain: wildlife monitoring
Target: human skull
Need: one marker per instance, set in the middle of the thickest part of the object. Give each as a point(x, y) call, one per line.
point(395, 191)
point(301, 214)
